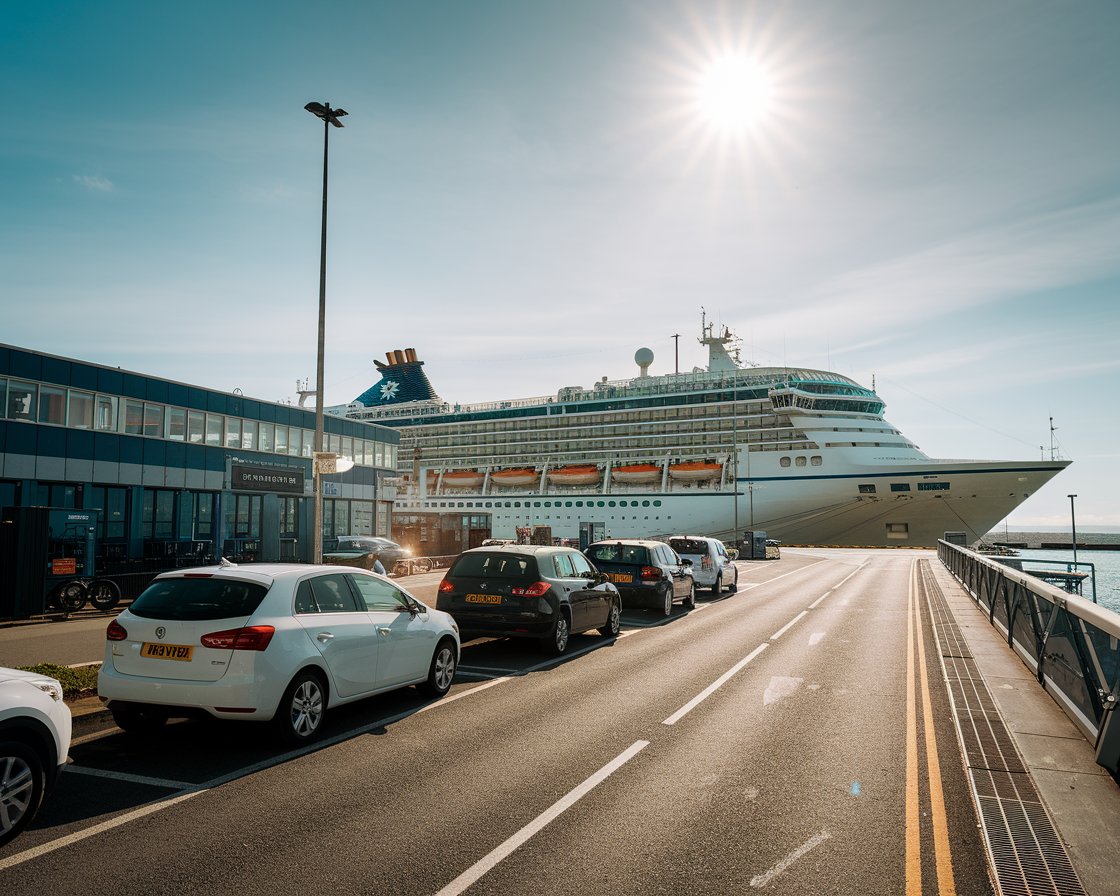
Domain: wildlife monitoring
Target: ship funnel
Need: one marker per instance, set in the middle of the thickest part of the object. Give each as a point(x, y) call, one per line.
point(410, 354)
point(391, 357)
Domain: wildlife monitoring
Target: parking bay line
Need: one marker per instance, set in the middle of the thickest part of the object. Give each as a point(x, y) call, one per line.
point(128, 778)
point(499, 853)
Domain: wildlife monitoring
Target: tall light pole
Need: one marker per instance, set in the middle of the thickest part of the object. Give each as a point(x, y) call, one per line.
point(1073, 523)
point(329, 117)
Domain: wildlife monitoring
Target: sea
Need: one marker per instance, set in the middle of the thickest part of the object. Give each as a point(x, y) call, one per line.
point(1101, 549)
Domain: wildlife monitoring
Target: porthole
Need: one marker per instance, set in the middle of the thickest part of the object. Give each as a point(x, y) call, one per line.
point(784, 461)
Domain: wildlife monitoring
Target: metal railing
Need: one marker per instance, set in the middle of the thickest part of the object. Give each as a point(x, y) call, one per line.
point(1069, 643)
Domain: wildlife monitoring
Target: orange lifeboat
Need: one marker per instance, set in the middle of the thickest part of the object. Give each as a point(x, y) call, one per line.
point(636, 473)
point(695, 471)
point(462, 479)
point(576, 474)
point(515, 478)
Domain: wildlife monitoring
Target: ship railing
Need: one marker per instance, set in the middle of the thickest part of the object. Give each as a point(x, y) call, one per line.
point(1071, 644)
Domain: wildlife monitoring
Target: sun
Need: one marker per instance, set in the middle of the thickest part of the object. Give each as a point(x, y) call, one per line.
point(734, 93)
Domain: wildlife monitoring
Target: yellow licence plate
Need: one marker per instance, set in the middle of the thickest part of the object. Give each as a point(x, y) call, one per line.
point(180, 652)
point(483, 598)
point(620, 577)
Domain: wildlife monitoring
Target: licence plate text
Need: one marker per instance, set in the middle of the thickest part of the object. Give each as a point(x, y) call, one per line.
point(180, 652)
point(620, 577)
point(483, 598)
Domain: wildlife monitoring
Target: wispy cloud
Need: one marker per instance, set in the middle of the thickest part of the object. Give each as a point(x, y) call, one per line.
point(95, 183)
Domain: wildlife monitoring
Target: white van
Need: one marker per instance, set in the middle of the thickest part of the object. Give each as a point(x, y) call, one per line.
point(712, 567)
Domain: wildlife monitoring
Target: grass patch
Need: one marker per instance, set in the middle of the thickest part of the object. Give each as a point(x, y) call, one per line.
point(80, 682)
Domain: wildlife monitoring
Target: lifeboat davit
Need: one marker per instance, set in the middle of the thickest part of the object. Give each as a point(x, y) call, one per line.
point(635, 473)
point(462, 479)
point(577, 474)
point(515, 478)
point(695, 471)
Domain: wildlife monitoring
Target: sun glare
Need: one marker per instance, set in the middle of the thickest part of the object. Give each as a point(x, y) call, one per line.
point(734, 93)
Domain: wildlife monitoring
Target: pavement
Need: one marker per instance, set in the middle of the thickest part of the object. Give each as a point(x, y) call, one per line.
point(1081, 797)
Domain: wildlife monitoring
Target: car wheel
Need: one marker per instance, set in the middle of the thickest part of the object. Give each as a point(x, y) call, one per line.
point(690, 600)
point(22, 781)
point(717, 585)
point(614, 621)
point(300, 714)
point(734, 586)
point(136, 719)
point(442, 671)
point(557, 642)
point(669, 600)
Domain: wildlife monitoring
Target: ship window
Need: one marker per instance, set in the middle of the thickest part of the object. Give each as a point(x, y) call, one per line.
point(867, 489)
point(611, 503)
point(567, 503)
point(656, 503)
point(784, 461)
point(800, 461)
point(508, 504)
point(645, 503)
point(601, 503)
point(488, 504)
point(815, 460)
point(933, 486)
point(579, 503)
point(900, 486)
point(898, 531)
point(515, 504)
point(536, 503)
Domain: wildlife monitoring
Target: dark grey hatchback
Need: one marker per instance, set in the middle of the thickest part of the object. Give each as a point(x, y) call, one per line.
point(529, 591)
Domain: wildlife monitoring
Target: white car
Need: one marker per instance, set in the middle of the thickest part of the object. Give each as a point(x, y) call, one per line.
point(35, 728)
point(270, 642)
point(712, 566)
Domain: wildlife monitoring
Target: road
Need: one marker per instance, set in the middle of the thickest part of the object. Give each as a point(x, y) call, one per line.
point(793, 737)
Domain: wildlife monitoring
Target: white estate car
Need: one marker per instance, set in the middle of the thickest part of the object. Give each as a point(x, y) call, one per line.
point(270, 642)
point(35, 728)
point(712, 566)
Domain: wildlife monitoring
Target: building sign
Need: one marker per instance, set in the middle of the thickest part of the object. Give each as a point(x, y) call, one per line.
point(284, 480)
point(64, 566)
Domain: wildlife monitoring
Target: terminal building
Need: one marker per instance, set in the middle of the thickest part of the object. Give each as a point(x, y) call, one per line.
point(171, 471)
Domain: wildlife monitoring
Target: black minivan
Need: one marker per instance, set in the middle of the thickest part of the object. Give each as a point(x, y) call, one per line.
point(529, 591)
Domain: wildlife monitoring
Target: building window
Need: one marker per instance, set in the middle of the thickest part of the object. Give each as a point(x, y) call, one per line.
point(196, 427)
point(112, 502)
point(177, 424)
point(233, 432)
point(153, 420)
point(133, 417)
point(247, 516)
point(281, 444)
point(265, 434)
point(249, 435)
point(289, 517)
point(105, 418)
point(204, 516)
point(214, 428)
point(295, 442)
point(158, 518)
point(361, 515)
point(80, 412)
point(52, 405)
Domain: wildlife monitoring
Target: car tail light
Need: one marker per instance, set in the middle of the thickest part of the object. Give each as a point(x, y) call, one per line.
point(254, 637)
point(115, 632)
point(445, 587)
point(537, 589)
point(651, 574)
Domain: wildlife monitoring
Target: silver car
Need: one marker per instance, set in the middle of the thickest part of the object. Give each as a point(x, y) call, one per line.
point(712, 566)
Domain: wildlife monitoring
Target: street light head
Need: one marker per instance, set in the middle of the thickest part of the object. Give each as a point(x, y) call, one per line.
point(326, 113)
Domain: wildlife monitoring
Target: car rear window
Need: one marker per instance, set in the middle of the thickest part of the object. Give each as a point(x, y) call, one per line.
point(198, 599)
point(688, 545)
point(494, 566)
point(619, 553)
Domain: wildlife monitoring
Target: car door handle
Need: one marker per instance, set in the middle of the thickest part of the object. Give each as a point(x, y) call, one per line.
point(384, 632)
point(324, 637)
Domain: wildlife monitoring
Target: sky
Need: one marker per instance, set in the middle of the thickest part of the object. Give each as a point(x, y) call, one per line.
point(924, 197)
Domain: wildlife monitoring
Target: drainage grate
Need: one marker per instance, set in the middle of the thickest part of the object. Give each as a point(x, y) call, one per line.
point(1026, 854)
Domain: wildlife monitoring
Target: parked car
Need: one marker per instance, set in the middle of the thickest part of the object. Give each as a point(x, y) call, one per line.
point(384, 549)
point(712, 564)
point(35, 728)
point(529, 591)
point(270, 642)
point(646, 573)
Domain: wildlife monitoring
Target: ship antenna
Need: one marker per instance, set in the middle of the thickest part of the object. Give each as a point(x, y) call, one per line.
point(676, 337)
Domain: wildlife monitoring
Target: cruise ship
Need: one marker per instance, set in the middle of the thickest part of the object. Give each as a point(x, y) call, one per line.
point(802, 455)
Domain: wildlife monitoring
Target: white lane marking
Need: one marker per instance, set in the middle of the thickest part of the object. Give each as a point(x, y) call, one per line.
point(785, 628)
point(713, 687)
point(161, 804)
point(814, 604)
point(779, 688)
point(124, 776)
point(479, 669)
point(761, 880)
point(815, 638)
point(483, 865)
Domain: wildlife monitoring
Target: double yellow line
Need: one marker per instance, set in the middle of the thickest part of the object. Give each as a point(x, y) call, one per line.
point(946, 886)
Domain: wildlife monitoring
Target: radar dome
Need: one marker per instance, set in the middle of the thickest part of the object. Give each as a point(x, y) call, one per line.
point(643, 357)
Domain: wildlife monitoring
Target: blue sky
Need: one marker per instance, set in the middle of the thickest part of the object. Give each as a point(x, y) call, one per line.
point(526, 193)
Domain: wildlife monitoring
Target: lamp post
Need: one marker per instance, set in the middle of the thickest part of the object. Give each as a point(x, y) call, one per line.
point(329, 117)
point(1073, 523)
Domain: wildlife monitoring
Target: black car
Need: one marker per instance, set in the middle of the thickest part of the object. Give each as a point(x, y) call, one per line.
point(529, 591)
point(646, 573)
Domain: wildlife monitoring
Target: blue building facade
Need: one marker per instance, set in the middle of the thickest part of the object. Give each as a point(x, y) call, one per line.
point(175, 470)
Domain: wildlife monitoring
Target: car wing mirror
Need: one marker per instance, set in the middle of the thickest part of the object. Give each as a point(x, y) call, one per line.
point(687, 564)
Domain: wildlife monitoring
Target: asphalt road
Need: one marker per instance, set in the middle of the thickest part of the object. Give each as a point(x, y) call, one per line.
point(775, 740)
